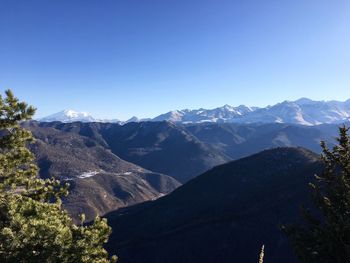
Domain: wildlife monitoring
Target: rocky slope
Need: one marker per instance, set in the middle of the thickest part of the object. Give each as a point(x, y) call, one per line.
point(100, 180)
point(161, 147)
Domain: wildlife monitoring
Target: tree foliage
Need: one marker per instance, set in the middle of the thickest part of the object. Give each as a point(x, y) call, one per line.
point(33, 225)
point(325, 236)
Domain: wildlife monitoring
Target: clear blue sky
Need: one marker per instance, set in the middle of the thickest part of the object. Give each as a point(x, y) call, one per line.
point(118, 58)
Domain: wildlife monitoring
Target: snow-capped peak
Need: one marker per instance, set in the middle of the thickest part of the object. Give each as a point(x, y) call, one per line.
point(75, 114)
point(304, 101)
point(69, 116)
point(133, 119)
point(302, 111)
point(228, 107)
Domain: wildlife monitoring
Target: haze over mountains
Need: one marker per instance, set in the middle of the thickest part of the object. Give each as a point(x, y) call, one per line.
point(303, 111)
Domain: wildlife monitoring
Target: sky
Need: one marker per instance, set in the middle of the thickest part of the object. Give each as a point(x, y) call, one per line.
point(120, 58)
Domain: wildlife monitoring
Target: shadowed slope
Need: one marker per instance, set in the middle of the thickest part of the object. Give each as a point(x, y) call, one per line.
point(223, 215)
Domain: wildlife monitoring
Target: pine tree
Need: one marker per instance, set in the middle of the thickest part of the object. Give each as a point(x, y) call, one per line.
point(262, 254)
point(33, 225)
point(325, 236)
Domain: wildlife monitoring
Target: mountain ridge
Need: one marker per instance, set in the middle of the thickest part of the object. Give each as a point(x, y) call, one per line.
point(303, 111)
point(100, 181)
point(150, 145)
point(221, 215)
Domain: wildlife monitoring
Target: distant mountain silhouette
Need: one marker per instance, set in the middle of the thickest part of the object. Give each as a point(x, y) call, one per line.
point(223, 215)
point(239, 140)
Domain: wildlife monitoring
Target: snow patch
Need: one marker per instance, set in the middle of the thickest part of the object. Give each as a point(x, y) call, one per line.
point(88, 174)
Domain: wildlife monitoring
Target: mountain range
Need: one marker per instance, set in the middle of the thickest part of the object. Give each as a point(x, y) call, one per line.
point(110, 166)
point(302, 111)
point(161, 147)
point(185, 192)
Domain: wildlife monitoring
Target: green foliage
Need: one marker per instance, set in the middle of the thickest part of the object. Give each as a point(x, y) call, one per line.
point(325, 236)
point(33, 225)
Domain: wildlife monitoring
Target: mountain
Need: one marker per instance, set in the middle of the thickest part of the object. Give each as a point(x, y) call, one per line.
point(184, 151)
point(73, 116)
point(161, 147)
point(221, 114)
point(302, 111)
point(100, 180)
point(223, 215)
point(97, 193)
point(239, 140)
point(69, 116)
point(135, 119)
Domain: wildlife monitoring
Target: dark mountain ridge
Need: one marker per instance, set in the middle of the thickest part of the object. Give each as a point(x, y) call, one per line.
point(223, 215)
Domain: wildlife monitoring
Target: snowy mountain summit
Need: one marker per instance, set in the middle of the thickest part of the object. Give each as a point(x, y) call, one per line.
point(69, 116)
point(72, 116)
point(302, 111)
